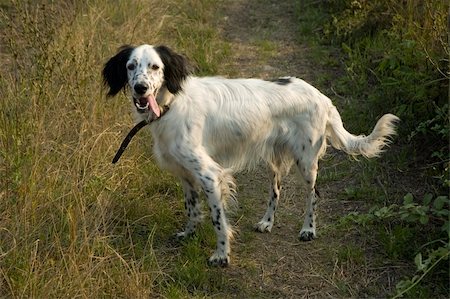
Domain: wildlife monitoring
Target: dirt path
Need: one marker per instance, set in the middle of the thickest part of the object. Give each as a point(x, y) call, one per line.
point(264, 44)
point(263, 38)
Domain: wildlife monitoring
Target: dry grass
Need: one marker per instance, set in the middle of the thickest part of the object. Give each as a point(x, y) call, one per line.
point(65, 210)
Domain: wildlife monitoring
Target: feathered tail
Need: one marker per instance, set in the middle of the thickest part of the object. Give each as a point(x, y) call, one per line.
point(368, 146)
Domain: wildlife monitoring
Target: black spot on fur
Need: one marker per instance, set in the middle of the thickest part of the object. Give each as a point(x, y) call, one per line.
point(115, 70)
point(217, 215)
point(176, 68)
point(209, 179)
point(190, 184)
point(237, 131)
point(194, 196)
point(317, 193)
point(282, 81)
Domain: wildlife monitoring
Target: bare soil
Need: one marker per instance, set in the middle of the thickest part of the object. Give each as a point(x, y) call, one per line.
point(247, 24)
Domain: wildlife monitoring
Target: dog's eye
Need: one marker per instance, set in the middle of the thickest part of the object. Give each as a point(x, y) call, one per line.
point(155, 67)
point(131, 67)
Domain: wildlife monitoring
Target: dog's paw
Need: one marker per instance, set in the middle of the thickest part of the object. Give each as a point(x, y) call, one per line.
point(183, 235)
point(307, 235)
point(219, 260)
point(264, 226)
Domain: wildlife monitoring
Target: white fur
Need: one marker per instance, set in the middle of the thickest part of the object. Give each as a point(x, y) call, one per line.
point(217, 126)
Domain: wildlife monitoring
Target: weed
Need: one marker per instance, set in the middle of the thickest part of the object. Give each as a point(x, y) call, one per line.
point(401, 236)
point(350, 254)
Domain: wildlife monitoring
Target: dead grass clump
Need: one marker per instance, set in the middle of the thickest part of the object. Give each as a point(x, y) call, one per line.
point(60, 206)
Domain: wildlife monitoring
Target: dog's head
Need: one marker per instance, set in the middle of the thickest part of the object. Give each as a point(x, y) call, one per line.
point(146, 69)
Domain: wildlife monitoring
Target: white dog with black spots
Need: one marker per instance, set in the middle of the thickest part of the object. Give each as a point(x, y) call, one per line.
point(207, 128)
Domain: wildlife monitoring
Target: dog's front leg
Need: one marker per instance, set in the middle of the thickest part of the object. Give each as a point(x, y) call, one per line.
point(193, 209)
point(217, 185)
point(212, 187)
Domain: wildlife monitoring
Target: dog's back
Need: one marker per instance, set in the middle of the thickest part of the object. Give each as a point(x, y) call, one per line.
point(243, 121)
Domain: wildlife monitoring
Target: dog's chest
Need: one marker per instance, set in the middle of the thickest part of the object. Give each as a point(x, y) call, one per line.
point(171, 145)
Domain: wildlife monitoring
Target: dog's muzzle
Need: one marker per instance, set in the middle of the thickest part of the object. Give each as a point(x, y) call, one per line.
point(147, 104)
point(141, 104)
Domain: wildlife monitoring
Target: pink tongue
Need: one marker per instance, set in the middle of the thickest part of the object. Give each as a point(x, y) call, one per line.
point(154, 106)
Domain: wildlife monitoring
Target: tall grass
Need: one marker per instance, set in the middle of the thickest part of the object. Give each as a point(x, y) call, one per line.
point(71, 223)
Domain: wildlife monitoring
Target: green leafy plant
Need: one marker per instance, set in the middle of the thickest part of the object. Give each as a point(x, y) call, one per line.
point(396, 56)
point(431, 212)
point(424, 267)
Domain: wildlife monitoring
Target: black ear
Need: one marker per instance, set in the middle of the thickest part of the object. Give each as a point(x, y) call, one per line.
point(115, 70)
point(176, 68)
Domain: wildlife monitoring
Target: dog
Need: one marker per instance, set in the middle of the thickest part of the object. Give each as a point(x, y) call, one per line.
point(207, 128)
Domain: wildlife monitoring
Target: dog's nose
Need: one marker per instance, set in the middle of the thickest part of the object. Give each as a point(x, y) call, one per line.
point(140, 88)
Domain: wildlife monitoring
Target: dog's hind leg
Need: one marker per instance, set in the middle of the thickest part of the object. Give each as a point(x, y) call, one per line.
point(308, 231)
point(193, 208)
point(266, 223)
point(307, 159)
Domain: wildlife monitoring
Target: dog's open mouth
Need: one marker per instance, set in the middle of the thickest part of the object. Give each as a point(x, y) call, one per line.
point(148, 103)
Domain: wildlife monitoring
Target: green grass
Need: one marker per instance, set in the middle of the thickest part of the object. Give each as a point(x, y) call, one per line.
point(266, 49)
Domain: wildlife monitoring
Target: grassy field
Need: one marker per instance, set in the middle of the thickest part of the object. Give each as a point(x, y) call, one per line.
point(74, 225)
point(71, 223)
